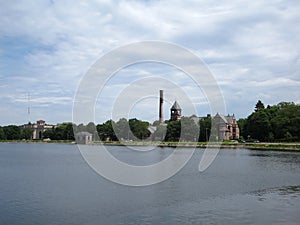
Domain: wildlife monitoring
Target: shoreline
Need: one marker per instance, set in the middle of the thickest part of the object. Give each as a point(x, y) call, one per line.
point(201, 145)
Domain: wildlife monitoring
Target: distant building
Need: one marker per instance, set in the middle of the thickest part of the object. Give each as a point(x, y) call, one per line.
point(175, 112)
point(84, 138)
point(227, 126)
point(38, 128)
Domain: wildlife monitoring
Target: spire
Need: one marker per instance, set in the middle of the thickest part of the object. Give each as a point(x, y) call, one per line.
point(175, 112)
point(175, 106)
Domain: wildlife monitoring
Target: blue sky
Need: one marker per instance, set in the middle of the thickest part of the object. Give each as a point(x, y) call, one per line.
point(46, 47)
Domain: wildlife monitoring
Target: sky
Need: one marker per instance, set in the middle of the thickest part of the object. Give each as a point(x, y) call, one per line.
point(47, 47)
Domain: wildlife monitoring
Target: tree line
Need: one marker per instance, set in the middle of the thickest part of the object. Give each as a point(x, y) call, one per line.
point(123, 129)
point(279, 122)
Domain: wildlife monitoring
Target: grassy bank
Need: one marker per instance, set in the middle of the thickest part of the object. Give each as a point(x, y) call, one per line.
point(224, 145)
point(38, 141)
point(232, 145)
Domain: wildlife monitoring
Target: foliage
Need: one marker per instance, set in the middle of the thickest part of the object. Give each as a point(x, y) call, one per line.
point(242, 126)
point(62, 131)
point(12, 132)
point(189, 129)
point(106, 131)
point(139, 129)
point(173, 131)
point(160, 133)
point(123, 129)
point(274, 123)
point(205, 129)
point(2, 134)
point(279, 122)
point(185, 129)
point(26, 134)
point(259, 105)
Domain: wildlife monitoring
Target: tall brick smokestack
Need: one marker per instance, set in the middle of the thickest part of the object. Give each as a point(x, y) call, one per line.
point(161, 102)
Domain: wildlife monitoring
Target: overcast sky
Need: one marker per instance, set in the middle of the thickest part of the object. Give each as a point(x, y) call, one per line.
point(46, 47)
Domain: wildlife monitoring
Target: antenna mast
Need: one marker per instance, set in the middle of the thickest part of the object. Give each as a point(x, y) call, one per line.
point(28, 107)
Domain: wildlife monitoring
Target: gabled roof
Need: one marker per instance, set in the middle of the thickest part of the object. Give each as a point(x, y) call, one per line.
point(222, 117)
point(84, 133)
point(229, 118)
point(176, 106)
point(226, 119)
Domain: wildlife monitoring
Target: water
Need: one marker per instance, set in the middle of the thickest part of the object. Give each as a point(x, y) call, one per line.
point(51, 184)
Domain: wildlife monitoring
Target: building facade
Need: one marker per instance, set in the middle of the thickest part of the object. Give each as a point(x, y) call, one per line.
point(84, 138)
point(227, 127)
point(175, 112)
point(38, 128)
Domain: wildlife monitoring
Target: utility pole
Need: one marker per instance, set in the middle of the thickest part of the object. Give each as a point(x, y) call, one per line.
point(28, 107)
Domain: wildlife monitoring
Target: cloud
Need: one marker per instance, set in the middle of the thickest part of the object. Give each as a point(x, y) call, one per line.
point(48, 46)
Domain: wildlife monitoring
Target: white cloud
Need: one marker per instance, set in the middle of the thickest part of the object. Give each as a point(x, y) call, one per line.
point(47, 46)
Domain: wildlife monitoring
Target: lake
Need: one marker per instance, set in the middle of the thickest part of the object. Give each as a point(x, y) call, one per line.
point(52, 184)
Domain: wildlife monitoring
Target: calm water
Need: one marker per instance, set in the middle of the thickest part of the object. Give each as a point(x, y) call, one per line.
point(51, 184)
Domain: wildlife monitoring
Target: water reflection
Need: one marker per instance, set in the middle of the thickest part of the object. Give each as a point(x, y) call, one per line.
point(51, 184)
point(278, 192)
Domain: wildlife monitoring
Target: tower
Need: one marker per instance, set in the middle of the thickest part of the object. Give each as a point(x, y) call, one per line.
point(175, 112)
point(161, 101)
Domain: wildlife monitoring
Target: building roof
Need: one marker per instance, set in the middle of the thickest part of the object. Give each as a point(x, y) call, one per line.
point(83, 133)
point(222, 117)
point(229, 118)
point(226, 119)
point(176, 106)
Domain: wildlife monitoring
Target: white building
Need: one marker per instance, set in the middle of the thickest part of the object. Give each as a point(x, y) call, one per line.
point(84, 138)
point(38, 128)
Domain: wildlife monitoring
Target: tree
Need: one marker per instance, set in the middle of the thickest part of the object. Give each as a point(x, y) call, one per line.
point(12, 132)
point(62, 131)
point(50, 133)
point(160, 133)
point(286, 122)
point(205, 129)
point(26, 134)
point(106, 131)
point(280, 122)
point(139, 129)
point(173, 131)
point(121, 129)
point(189, 129)
point(242, 126)
point(259, 105)
point(2, 134)
point(258, 125)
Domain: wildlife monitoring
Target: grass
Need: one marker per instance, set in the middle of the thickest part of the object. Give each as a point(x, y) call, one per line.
point(226, 144)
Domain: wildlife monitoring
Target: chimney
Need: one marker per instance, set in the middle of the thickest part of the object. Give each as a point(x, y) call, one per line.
point(161, 101)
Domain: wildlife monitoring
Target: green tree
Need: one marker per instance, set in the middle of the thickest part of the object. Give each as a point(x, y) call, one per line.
point(160, 133)
point(26, 134)
point(106, 131)
point(12, 132)
point(242, 126)
point(62, 131)
point(121, 129)
point(50, 133)
point(173, 131)
point(2, 134)
point(280, 122)
point(189, 129)
point(139, 129)
point(205, 129)
point(156, 123)
point(258, 125)
point(259, 105)
point(286, 122)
